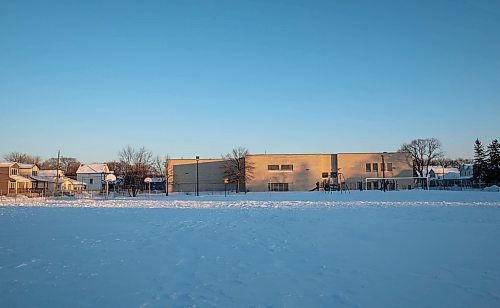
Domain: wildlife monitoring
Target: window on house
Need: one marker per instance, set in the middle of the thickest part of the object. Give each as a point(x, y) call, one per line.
point(34, 173)
point(13, 171)
point(368, 167)
point(324, 175)
point(375, 167)
point(273, 167)
point(12, 185)
point(287, 167)
point(91, 181)
point(389, 166)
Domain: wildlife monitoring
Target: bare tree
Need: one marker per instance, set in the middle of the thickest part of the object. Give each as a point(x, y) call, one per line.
point(22, 158)
point(421, 152)
point(453, 163)
point(117, 167)
point(69, 165)
point(158, 166)
point(237, 168)
point(136, 165)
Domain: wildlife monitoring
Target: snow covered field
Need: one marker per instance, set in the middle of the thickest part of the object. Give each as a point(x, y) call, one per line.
point(395, 249)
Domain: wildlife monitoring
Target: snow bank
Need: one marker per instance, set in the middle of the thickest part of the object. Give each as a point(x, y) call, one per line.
point(287, 199)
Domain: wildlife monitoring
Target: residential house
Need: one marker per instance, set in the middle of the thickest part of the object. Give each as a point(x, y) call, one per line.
point(11, 182)
point(93, 175)
point(58, 183)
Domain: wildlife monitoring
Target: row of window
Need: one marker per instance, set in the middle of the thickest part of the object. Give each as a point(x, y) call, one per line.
point(277, 186)
point(370, 167)
point(373, 167)
point(278, 167)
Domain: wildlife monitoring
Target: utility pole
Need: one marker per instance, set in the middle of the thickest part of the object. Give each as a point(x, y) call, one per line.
point(57, 172)
point(197, 177)
point(166, 176)
point(383, 171)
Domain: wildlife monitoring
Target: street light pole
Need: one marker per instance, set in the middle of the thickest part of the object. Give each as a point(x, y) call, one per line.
point(197, 177)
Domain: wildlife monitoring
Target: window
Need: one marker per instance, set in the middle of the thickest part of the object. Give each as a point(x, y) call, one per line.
point(273, 167)
point(91, 181)
point(12, 185)
point(375, 167)
point(287, 167)
point(389, 166)
point(13, 171)
point(368, 167)
point(324, 175)
point(277, 186)
point(34, 173)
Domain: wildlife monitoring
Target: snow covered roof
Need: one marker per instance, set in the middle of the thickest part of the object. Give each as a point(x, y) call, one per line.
point(441, 170)
point(26, 166)
point(52, 173)
point(40, 178)
point(5, 164)
point(51, 179)
point(19, 178)
point(75, 182)
point(93, 168)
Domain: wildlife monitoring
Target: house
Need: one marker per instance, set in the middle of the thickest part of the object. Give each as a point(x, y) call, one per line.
point(11, 182)
point(467, 170)
point(28, 170)
point(93, 175)
point(57, 182)
point(440, 172)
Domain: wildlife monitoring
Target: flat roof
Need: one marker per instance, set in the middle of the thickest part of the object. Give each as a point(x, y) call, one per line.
point(195, 159)
point(291, 154)
point(371, 152)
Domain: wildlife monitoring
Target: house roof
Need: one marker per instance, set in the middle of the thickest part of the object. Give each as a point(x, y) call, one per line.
point(60, 180)
point(5, 164)
point(75, 182)
point(19, 178)
point(40, 178)
point(441, 170)
point(26, 166)
point(93, 168)
point(52, 173)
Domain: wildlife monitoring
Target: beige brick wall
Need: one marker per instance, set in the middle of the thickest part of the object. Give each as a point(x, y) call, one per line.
point(353, 167)
point(307, 170)
point(210, 175)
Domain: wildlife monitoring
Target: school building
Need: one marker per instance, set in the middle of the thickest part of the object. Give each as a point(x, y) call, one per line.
point(297, 172)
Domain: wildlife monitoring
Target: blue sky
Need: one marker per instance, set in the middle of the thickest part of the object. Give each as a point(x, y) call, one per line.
point(201, 77)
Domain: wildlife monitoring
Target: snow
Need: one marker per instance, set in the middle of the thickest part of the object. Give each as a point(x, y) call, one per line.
point(397, 249)
point(492, 188)
point(92, 168)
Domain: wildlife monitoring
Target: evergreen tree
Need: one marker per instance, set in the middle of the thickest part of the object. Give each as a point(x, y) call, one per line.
point(493, 172)
point(480, 162)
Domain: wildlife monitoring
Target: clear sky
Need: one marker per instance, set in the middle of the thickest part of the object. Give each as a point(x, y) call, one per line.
point(202, 77)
